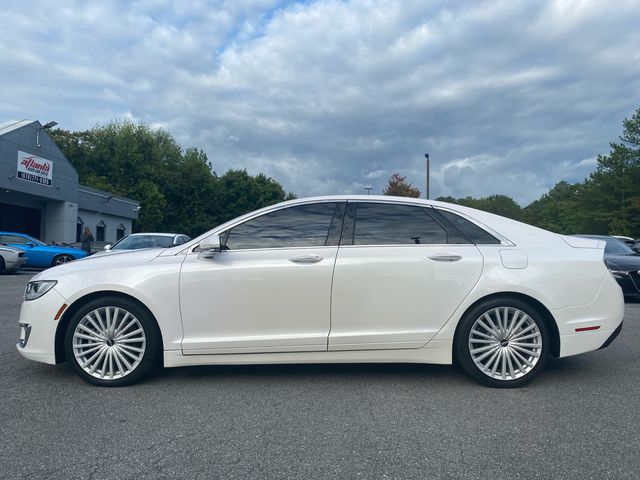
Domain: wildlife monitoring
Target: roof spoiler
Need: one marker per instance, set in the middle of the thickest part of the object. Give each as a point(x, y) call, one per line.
point(582, 242)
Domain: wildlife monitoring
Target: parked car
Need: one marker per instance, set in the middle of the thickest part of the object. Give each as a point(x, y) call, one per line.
point(38, 253)
point(337, 280)
point(137, 241)
point(628, 240)
point(11, 258)
point(623, 262)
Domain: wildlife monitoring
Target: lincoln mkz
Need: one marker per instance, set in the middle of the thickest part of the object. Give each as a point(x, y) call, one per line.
point(349, 279)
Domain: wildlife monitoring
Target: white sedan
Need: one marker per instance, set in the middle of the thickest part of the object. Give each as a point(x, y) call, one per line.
point(336, 280)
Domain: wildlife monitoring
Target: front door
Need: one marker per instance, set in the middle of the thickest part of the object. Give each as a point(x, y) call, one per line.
point(269, 290)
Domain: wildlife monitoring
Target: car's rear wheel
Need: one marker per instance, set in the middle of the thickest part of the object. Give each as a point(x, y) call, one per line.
point(62, 259)
point(2, 265)
point(112, 342)
point(503, 343)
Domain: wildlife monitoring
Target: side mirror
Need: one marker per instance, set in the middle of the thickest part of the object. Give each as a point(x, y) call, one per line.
point(107, 248)
point(31, 245)
point(209, 247)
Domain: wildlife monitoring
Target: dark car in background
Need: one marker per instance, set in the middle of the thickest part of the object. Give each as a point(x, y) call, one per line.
point(40, 254)
point(623, 263)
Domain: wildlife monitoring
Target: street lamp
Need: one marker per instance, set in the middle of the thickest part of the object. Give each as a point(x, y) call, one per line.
point(46, 126)
point(426, 155)
point(368, 189)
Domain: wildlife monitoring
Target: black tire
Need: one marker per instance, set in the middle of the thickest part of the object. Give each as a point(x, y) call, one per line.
point(462, 348)
point(61, 260)
point(152, 347)
point(2, 265)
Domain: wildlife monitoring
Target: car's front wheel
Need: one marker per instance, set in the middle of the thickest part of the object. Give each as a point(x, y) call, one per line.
point(502, 343)
point(112, 342)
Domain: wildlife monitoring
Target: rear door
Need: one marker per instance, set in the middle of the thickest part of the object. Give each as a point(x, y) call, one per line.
point(400, 273)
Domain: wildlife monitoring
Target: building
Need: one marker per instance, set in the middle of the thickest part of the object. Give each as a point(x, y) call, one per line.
point(40, 194)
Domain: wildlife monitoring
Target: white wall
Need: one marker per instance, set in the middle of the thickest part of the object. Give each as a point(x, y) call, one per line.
point(60, 220)
point(91, 220)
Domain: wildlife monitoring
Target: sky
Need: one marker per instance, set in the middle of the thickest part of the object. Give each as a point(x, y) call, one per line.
point(330, 96)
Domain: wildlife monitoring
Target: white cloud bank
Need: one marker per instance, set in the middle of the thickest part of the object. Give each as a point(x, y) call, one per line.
point(330, 96)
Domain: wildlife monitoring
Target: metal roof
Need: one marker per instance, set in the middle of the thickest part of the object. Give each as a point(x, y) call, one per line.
point(12, 125)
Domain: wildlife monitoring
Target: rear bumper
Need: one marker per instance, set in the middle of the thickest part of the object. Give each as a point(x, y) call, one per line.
point(612, 337)
point(588, 328)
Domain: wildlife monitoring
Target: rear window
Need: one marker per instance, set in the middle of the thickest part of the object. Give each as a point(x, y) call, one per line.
point(469, 229)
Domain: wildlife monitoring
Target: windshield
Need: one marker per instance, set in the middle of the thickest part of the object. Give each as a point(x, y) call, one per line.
point(617, 247)
point(135, 242)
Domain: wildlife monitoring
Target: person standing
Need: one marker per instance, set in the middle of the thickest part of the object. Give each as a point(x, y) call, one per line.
point(86, 239)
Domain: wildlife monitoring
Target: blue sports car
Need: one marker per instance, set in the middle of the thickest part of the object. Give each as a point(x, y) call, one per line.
point(38, 253)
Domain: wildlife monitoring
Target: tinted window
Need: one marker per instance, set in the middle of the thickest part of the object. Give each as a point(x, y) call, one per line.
point(17, 239)
point(300, 226)
point(386, 224)
point(469, 229)
point(136, 242)
point(617, 247)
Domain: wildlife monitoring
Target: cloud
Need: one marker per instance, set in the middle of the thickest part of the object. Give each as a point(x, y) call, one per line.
point(329, 96)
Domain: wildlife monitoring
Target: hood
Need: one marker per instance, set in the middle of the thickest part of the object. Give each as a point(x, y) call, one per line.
point(97, 262)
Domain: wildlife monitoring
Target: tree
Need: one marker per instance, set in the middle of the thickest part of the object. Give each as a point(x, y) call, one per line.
point(178, 189)
point(498, 204)
point(559, 210)
point(399, 187)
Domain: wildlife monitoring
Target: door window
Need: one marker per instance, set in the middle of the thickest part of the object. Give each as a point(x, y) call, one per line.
point(388, 224)
point(470, 230)
point(310, 225)
point(14, 239)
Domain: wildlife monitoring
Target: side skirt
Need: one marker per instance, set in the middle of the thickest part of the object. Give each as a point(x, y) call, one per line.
point(436, 352)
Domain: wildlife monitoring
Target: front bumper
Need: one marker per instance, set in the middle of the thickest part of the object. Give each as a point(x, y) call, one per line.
point(38, 327)
point(15, 263)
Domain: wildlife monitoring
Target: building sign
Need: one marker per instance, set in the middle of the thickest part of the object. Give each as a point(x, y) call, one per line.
point(34, 169)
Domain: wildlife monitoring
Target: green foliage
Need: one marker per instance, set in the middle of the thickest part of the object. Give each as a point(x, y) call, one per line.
point(399, 187)
point(498, 204)
point(178, 190)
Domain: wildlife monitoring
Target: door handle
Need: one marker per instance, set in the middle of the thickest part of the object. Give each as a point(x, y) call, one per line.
point(310, 258)
point(445, 257)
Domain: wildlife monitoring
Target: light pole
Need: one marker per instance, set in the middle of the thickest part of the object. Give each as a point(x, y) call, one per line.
point(368, 189)
point(426, 155)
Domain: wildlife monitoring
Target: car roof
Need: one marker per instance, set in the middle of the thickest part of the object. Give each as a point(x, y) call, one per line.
point(16, 233)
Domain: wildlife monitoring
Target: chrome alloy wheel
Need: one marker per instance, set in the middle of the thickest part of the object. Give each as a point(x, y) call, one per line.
point(505, 343)
point(62, 259)
point(109, 343)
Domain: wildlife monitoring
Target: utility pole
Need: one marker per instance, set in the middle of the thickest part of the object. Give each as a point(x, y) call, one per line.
point(426, 155)
point(368, 189)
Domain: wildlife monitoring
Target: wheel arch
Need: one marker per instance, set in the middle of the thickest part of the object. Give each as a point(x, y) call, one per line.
point(547, 316)
point(80, 302)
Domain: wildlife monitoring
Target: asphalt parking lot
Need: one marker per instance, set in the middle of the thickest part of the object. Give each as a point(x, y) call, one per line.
point(580, 419)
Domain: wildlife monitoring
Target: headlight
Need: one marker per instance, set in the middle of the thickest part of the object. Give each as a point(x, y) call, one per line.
point(615, 270)
point(38, 288)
